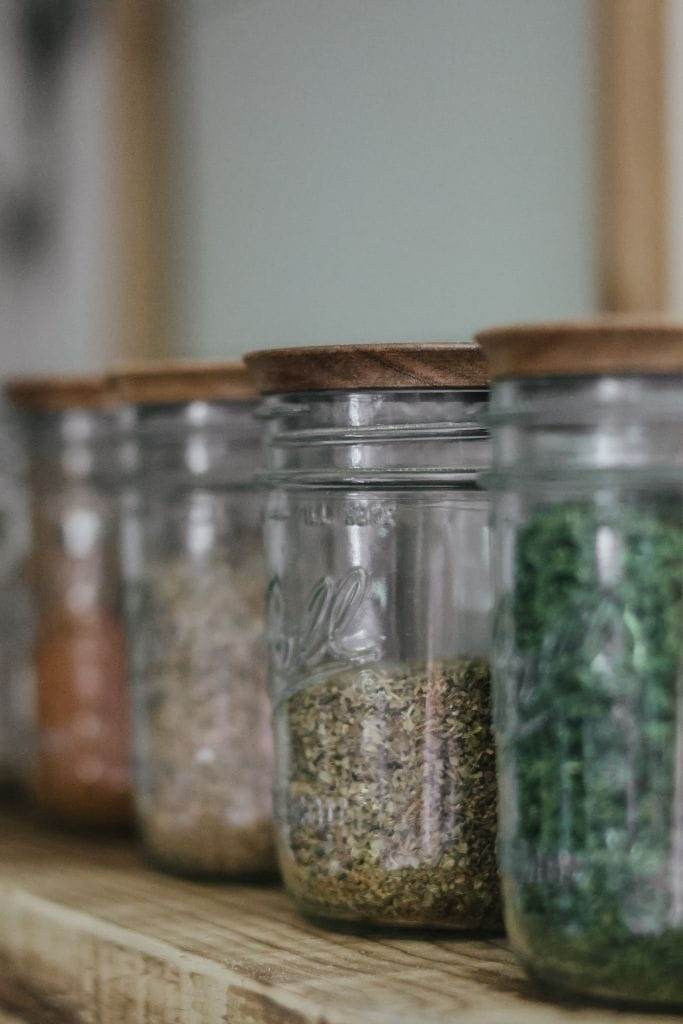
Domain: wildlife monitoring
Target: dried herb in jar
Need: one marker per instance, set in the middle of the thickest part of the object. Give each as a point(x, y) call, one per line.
point(389, 807)
point(592, 734)
point(203, 738)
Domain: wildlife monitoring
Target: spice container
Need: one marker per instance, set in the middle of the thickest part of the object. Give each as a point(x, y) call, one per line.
point(16, 620)
point(587, 422)
point(195, 594)
point(82, 761)
point(378, 609)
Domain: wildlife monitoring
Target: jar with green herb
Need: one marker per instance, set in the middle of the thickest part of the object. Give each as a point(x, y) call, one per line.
point(587, 428)
point(378, 630)
point(191, 516)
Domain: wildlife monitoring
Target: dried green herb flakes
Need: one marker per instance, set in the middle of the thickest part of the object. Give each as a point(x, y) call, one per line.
point(388, 812)
point(591, 746)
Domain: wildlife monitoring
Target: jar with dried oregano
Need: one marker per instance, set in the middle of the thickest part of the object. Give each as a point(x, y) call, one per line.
point(195, 590)
point(82, 761)
point(587, 424)
point(378, 605)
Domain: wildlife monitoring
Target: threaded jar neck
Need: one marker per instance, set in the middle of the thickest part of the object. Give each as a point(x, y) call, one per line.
point(71, 444)
point(559, 427)
point(199, 443)
point(375, 437)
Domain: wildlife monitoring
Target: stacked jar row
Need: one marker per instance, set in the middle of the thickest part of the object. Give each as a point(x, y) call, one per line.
point(376, 577)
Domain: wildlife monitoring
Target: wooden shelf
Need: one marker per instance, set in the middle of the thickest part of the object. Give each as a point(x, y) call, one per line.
point(88, 934)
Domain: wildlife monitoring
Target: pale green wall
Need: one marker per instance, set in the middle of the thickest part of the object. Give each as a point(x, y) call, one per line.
point(377, 169)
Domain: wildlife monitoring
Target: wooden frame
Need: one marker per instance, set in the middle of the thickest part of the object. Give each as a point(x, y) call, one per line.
point(633, 211)
point(141, 42)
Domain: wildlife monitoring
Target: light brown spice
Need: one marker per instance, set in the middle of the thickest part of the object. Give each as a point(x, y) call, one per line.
point(203, 734)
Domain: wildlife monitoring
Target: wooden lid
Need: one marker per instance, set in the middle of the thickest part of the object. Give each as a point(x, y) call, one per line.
point(56, 394)
point(608, 345)
point(162, 383)
point(359, 367)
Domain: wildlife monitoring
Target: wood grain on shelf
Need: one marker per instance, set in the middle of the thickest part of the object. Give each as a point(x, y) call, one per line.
point(20, 1005)
point(96, 938)
point(8, 1017)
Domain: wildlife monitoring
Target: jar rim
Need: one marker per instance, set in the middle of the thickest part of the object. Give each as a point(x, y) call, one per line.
point(584, 400)
point(351, 438)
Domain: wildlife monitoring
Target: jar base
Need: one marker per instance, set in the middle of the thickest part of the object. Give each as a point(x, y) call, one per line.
point(11, 789)
point(211, 851)
point(371, 897)
point(352, 922)
point(207, 876)
point(84, 808)
point(104, 828)
point(559, 986)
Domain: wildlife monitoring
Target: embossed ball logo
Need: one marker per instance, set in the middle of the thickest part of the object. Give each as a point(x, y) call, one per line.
point(331, 634)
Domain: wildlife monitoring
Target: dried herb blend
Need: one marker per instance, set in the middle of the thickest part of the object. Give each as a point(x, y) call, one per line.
point(203, 737)
point(592, 747)
point(388, 811)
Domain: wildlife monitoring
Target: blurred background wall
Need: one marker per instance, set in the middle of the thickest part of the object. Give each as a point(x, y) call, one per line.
point(57, 266)
point(200, 177)
point(379, 169)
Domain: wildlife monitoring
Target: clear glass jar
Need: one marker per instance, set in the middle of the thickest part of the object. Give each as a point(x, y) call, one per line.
point(588, 500)
point(82, 774)
point(378, 628)
point(195, 595)
point(17, 696)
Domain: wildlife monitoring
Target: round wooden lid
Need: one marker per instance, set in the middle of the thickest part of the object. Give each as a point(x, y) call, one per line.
point(56, 394)
point(166, 383)
point(360, 367)
point(578, 348)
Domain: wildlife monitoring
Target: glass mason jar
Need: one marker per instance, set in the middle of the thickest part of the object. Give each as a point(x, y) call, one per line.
point(378, 628)
point(587, 425)
point(195, 593)
point(17, 715)
point(82, 772)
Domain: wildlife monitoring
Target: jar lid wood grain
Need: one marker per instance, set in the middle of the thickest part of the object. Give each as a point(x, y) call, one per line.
point(581, 348)
point(400, 365)
point(56, 394)
point(167, 383)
